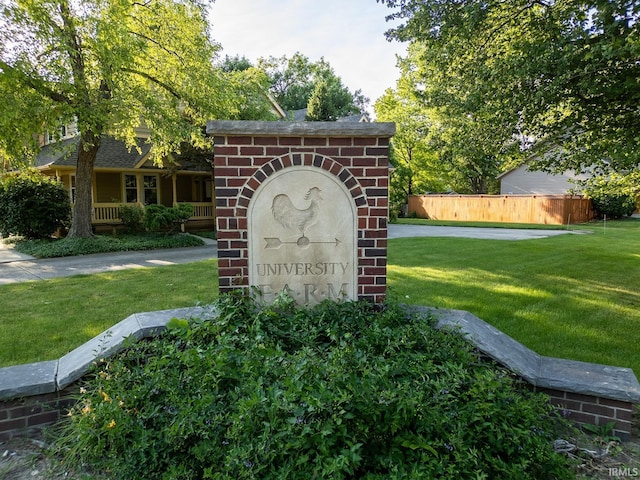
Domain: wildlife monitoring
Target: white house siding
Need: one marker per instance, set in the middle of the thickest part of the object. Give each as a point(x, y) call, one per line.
point(521, 181)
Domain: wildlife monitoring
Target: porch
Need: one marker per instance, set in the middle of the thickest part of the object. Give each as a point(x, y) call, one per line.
point(114, 189)
point(108, 214)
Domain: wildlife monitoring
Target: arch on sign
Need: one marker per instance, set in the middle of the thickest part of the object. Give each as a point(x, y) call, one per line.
point(302, 236)
point(299, 159)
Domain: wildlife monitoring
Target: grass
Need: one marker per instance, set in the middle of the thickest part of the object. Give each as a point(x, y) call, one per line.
point(44, 320)
point(571, 296)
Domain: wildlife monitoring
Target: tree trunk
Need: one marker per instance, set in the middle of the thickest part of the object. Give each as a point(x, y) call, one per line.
point(81, 226)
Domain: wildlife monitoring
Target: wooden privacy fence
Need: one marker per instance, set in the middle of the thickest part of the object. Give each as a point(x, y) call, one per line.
point(541, 209)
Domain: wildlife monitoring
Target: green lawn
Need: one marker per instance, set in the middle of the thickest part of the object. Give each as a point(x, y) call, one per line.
point(573, 296)
point(44, 320)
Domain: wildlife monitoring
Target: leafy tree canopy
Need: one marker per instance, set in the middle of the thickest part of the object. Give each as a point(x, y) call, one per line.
point(440, 147)
point(294, 80)
point(415, 166)
point(107, 64)
point(564, 74)
point(236, 63)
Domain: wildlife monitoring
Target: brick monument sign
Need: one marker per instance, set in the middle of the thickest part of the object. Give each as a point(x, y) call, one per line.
point(302, 207)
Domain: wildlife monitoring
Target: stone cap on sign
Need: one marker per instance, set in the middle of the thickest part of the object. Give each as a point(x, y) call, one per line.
point(300, 129)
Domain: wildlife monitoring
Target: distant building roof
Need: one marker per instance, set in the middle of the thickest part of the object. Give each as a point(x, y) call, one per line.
point(297, 115)
point(358, 117)
point(301, 116)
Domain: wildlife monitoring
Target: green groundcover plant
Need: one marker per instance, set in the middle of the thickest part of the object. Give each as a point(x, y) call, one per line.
point(338, 391)
point(66, 247)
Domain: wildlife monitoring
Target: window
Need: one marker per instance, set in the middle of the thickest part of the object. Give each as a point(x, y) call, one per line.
point(60, 134)
point(130, 188)
point(72, 189)
point(150, 183)
point(208, 190)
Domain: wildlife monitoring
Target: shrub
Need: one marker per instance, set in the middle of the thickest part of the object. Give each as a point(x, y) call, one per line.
point(614, 196)
point(32, 205)
point(341, 390)
point(158, 217)
point(132, 217)
point(613, 206)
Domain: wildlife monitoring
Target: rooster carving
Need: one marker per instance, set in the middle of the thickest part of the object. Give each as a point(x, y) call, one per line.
point(287, 215)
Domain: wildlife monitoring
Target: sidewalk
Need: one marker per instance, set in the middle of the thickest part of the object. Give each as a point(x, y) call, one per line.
point(9, 254)
point(15, 267)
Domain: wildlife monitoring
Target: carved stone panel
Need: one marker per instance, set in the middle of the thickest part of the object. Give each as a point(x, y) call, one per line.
point(303, 237)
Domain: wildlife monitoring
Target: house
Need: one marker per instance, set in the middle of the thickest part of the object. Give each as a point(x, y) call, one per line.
point(128, 176)
point(124, 176)
point(521, 181)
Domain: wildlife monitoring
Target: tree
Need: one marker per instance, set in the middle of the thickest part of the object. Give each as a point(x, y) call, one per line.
point(410, 153)
point(294, 80)
point(565, 74)
point(440, 146)
point(321, 107)
point(415, 166)
point(470, 150)
point(236, 63)
point(249, 87)
point(106, 65)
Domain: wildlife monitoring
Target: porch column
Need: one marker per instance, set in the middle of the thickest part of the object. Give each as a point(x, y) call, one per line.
point(140, 188)
point(174, 185)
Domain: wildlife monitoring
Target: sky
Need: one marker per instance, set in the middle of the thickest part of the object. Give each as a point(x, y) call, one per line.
point(349, 34)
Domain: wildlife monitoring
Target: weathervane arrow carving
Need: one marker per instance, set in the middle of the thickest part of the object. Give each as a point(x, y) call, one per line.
point(274, 242)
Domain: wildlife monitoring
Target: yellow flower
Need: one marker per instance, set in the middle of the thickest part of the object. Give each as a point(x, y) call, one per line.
point(106, 397)
point(111, 424)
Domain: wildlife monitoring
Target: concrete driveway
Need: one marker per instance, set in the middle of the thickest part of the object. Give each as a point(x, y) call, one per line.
point(405, 231)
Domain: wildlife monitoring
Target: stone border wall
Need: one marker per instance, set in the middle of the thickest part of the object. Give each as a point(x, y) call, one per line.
point(594, 410)
point(247, 153)
point(586, 393)
point(35, 395)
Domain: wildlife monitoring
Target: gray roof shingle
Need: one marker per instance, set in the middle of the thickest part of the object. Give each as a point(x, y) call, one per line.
point(111, 154)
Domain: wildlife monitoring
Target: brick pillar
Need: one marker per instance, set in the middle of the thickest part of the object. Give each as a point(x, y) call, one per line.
point(248, 154)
